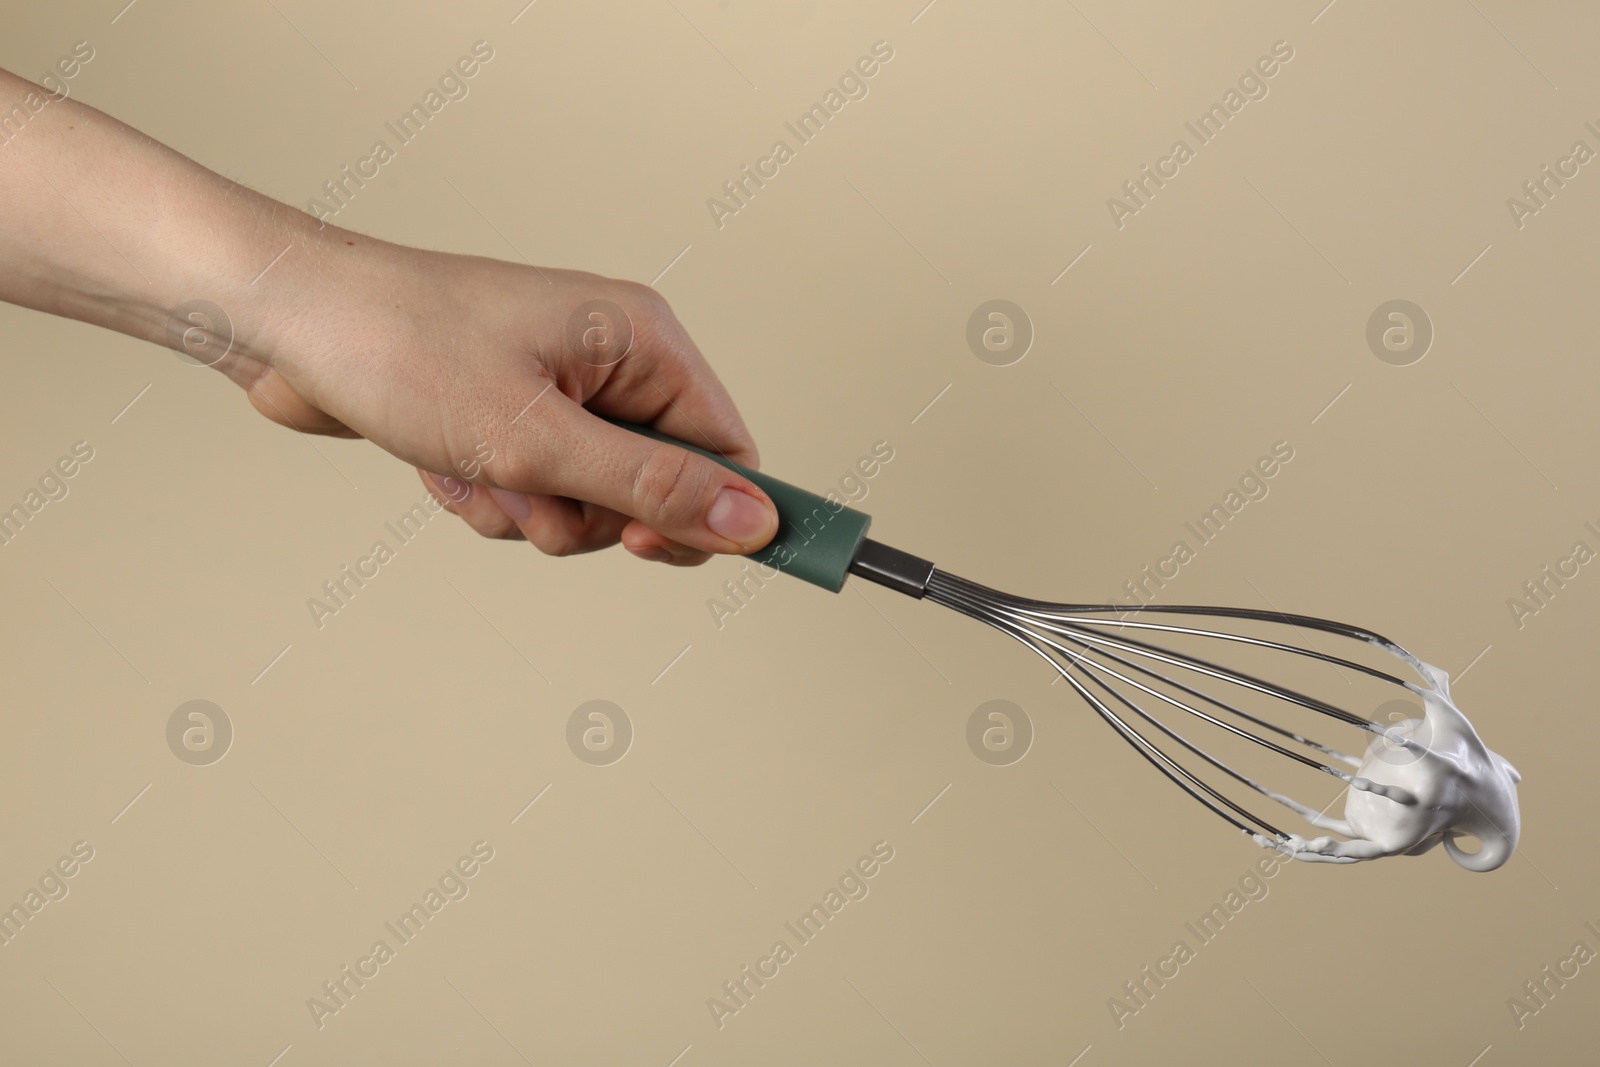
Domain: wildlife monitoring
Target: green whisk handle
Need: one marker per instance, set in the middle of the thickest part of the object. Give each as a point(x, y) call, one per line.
point(817, 538)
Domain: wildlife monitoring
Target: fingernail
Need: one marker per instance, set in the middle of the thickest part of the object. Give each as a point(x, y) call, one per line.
point(739, 517)
point(517, 505)
point(653, 554)
point(454, 490)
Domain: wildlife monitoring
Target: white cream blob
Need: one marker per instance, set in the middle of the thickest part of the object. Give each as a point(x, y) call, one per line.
point(1423, 782)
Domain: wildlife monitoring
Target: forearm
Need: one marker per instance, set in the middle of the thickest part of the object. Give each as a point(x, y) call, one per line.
point(100, 223)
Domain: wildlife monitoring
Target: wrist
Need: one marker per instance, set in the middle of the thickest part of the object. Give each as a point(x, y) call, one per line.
point(334, 296)
point(257, 280)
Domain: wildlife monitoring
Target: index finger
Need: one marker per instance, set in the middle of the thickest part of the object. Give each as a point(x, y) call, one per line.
point(664, 382)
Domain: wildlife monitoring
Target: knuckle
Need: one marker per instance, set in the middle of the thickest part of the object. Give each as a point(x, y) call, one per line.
point(495, 527)
point(556, 544)
point(501, 529)
point(645, 296)
point(668, 488)
point(519, 469)
point(647, 308)
point(445, 500)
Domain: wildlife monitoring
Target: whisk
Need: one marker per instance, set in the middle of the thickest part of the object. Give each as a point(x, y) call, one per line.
point(1133, 684)
point(1118, 676)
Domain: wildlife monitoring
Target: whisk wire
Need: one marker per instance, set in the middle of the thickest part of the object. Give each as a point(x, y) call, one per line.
point(1072, 638)
point(1180, 775)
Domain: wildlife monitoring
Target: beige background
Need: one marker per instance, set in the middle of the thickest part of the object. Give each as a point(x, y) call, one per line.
point(424, 717)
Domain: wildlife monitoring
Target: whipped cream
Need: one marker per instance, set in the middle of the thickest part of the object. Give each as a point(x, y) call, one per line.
point(1422, 782)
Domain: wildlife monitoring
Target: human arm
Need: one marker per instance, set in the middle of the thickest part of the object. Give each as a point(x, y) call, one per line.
point(436, 358)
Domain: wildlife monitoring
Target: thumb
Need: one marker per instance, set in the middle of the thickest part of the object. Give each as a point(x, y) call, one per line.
point(682, 495)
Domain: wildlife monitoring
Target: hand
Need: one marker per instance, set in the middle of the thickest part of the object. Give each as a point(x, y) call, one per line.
point(462, 366)
point(485, 375)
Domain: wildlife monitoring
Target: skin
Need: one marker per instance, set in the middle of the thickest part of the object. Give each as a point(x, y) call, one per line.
point(431, 356)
